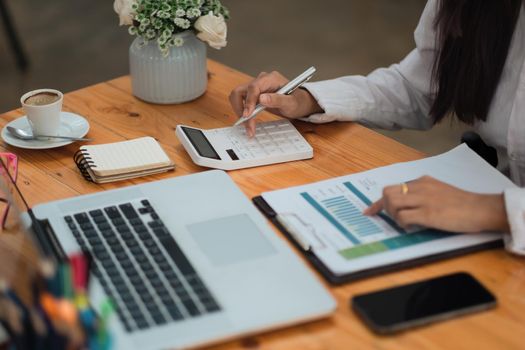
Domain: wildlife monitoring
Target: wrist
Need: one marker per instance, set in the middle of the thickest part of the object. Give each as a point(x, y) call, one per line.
point(492, 213)
point(307, 104)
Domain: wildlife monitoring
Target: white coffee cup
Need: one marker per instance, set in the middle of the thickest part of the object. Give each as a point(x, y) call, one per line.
point(43, 108)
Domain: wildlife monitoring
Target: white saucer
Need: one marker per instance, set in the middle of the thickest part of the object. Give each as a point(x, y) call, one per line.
point(71, 124)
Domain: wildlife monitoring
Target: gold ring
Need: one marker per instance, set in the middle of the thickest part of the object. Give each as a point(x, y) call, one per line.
point(404, 188)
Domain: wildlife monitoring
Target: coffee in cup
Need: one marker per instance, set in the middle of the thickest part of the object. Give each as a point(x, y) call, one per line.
point(42, 99)
point(43, 109)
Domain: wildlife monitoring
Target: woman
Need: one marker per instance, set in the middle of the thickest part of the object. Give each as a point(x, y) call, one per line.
point(470, 61)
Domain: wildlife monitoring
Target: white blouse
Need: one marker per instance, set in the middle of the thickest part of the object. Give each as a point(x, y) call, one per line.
point(400, 97)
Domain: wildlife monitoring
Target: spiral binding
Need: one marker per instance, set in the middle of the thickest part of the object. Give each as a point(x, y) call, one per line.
point(84, 162)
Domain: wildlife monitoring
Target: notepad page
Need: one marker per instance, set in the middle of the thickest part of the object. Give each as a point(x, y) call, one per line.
point(126, 156)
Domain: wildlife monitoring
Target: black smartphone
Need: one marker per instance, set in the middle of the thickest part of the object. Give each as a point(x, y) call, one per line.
point(398, 308)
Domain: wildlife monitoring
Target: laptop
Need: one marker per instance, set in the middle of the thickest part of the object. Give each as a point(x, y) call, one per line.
point(187, 261)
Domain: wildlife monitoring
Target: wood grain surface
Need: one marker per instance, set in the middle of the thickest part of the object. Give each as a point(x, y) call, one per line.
point(339, 149)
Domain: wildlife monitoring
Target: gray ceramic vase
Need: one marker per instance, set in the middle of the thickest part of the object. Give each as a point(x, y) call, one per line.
point(177, 78)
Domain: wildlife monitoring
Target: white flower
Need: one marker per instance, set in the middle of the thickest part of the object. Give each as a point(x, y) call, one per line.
point(193, 13)
point(163, 14)
point(212, 29)
point(180, 13)
point(161, 40)
point(150, 34)
point(124, 10)
point(182, 23)
point(132, 30)
point(178, 41)
point(157, 23)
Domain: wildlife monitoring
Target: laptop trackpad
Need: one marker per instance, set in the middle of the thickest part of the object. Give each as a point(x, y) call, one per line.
point(231, 239)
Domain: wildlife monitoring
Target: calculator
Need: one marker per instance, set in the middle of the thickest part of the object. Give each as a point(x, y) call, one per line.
point(230, 148)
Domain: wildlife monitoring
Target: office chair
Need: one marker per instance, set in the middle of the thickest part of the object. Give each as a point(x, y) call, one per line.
point(21, 58)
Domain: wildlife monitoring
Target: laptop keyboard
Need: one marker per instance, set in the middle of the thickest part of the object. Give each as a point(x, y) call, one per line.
point(140, 266)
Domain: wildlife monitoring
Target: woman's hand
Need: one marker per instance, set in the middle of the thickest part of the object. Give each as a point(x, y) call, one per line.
point(244, 98)
point(432, 203)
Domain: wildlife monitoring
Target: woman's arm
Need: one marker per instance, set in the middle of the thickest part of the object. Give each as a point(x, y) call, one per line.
point(395, 97)
point(432, 203)
point(515, 205)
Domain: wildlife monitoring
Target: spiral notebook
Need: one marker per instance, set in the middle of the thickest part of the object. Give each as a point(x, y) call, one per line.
point(122, 160)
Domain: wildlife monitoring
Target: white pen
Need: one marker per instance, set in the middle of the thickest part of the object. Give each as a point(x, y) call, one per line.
point(285, 90)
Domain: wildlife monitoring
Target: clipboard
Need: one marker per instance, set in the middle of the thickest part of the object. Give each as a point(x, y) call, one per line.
point(336, 279)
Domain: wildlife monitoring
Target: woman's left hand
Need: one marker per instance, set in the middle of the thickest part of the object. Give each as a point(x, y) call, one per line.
point(435, 204)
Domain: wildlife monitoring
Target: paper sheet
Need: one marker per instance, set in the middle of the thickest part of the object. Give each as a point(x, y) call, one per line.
point(326, 216)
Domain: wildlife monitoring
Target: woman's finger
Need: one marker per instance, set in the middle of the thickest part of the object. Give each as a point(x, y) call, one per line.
point(396, 202)
point(237, 97)
point(410, 217)
point(275, 100)
point(250, 127)
point(284, 103)
point(252, 97)
point(374, 208)
point(264, 83)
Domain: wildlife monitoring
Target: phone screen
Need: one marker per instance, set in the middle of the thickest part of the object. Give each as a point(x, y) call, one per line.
point(422, 302)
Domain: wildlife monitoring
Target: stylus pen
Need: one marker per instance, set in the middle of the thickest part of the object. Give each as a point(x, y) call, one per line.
point(285, 90)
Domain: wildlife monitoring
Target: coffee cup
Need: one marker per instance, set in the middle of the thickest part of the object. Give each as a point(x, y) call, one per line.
point(43, 108)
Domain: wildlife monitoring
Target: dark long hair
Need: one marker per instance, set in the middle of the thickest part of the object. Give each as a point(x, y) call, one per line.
point(473, 40)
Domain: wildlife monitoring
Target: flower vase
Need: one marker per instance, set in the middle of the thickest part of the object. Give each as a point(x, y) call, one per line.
point(179, 77)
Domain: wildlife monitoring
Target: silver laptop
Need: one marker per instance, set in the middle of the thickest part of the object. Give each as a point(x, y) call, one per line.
point(188, 261)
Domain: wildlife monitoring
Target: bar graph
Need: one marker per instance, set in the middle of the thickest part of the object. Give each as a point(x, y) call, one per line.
point(351, 216)
point(344, 213)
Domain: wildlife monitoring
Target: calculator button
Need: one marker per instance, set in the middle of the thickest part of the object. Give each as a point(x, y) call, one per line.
point(232, 154)
point(242, 150)
point(301, 146)
point(259, 153)
point(274, 151)
point(246, 155)
point(283, 143)
point(236, 143)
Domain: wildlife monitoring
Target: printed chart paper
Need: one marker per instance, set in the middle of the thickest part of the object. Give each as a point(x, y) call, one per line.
point(327, 216)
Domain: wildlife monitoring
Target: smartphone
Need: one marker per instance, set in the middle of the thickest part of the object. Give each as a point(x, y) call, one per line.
point(398, 308)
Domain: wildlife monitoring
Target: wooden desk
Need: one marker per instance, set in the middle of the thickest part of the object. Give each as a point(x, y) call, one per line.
point(340, 148)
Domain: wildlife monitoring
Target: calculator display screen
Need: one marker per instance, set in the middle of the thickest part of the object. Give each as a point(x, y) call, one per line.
point(201, 143)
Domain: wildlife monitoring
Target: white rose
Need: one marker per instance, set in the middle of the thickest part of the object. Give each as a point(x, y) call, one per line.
point(124, 11)
point(212, 29)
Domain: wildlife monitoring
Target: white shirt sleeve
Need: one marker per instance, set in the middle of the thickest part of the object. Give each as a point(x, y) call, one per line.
point(515, 205)
point(390, 98)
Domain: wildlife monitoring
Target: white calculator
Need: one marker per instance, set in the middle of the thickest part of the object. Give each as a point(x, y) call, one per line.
point(230, 148)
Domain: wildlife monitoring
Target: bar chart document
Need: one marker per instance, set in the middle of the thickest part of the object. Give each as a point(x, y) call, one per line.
point(326, 217)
